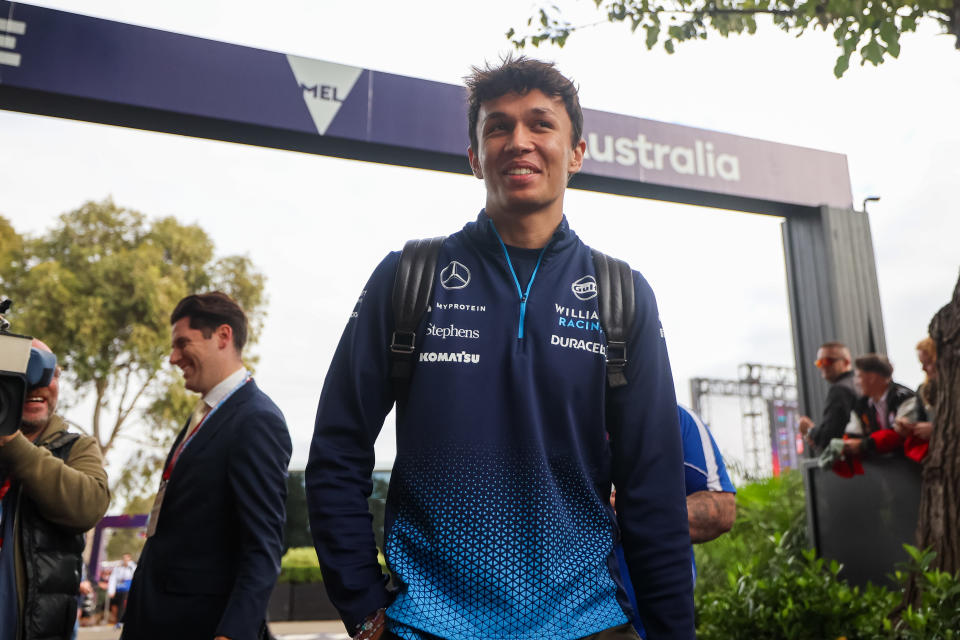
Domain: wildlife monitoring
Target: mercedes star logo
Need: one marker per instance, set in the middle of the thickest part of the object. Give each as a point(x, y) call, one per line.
point(455, 276)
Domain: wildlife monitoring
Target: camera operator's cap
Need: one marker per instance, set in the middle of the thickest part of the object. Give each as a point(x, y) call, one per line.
point(40, 368)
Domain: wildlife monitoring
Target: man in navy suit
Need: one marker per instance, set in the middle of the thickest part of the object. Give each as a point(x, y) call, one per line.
point(216, 529)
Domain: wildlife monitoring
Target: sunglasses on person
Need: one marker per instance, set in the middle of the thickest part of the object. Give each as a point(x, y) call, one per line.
point(823, 363)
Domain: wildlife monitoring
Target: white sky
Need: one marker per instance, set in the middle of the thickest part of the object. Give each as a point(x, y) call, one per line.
point(317, 226)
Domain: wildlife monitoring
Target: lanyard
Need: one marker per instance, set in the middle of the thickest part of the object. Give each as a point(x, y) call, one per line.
point(189, 438)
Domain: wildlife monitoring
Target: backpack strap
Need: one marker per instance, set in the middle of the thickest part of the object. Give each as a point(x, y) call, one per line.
point(61, 445)
point(412, 288)
point(616, 299)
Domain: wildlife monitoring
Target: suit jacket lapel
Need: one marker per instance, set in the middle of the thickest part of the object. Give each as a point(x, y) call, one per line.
point(214, 423)
point(176, 442)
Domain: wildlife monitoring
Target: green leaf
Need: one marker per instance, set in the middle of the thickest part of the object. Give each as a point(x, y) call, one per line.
point(843, 63)
point(653, 34)
point(668, 45)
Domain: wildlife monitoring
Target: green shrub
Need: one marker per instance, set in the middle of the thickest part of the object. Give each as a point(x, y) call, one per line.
point(300, 564)
point(938, 615)
point(769, 507)
point(794, 597)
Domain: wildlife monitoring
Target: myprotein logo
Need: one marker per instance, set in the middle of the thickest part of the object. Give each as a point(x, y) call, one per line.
point(702, 159)
point(450, 356)
point(456, 306)
point(585, 288)
point(451, 331)
point(324, 86)
point(455, 276)
point(9, 30)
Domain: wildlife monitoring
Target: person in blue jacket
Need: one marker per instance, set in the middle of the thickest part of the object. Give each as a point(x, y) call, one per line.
point(711, 496)
point(498, 522)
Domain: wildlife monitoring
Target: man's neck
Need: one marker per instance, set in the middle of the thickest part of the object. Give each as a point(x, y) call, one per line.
point(529, 230)
point(227, 370)
point(876, 399)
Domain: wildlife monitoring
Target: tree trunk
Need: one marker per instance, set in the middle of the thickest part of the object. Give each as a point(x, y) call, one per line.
point(938, 525)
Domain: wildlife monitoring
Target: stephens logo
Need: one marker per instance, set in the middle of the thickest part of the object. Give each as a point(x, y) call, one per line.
point(455, 276)
point(585, 288)
point(451, 332)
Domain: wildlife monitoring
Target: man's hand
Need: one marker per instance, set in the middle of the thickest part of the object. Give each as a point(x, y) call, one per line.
point(804, 423)
point(711, 514)
point(851, 446)
point(5, 439)
point(922, 430)
point(373, 627)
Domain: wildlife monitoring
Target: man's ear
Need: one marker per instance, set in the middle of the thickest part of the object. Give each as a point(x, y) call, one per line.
point(224, 334)
point(576, 159)
point(474, 163)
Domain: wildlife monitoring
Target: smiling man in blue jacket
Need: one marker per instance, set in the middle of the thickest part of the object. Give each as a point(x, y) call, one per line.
point(498, 523)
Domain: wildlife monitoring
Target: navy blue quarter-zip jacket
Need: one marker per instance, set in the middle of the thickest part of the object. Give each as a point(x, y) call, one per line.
point(498, 522)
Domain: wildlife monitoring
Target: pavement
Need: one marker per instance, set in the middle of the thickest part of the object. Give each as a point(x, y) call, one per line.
point(306, 630)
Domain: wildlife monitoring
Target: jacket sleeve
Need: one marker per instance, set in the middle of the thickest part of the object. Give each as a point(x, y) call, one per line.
point(257, 473)
point(648, 472)
point(356, 397)
point(836, 415)
point(72, 493)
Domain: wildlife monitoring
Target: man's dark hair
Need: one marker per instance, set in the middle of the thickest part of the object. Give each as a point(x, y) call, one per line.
point(520, 75)
point(207, 311)
point(874, 363)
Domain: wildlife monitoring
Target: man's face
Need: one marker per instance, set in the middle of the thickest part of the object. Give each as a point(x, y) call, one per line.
point(832, 362)
point(871, 384)
point(525, 154)
point(198, 357)
point(41, 402)
point(127, 559)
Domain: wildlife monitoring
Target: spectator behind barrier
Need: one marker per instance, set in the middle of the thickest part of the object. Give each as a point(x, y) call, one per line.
point(916, 421)
point(833, 360)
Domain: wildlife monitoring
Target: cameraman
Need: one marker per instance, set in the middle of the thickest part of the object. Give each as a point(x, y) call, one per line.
point(53, 488)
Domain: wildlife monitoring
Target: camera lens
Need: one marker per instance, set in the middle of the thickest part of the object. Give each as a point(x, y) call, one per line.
point(12, 391)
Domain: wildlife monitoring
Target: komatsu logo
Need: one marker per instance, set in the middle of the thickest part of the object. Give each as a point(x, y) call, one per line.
point(450, 356)
point(699, 160)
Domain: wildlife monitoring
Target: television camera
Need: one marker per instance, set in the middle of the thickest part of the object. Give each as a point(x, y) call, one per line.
point(22, 367)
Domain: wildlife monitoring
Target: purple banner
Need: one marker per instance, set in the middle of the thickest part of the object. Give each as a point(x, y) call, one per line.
point(67, 54)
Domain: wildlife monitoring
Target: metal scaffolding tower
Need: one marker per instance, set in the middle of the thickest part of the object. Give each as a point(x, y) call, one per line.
point(768, 400)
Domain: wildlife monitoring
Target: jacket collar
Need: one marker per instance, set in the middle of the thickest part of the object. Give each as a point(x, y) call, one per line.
point(481, 233)
point(57, 426)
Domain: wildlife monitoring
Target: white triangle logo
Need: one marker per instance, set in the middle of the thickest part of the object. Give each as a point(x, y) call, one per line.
point(325, 85)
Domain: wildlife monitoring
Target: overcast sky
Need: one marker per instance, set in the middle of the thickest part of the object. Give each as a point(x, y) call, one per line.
point(316, 226)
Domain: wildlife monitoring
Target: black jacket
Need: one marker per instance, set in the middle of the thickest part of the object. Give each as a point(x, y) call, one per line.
point(52, 565)
point(836, 414)
point(896, 395)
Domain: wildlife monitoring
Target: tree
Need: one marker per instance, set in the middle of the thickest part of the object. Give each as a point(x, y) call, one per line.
point(99, 288)
point(938, 526)
point(872, 26)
